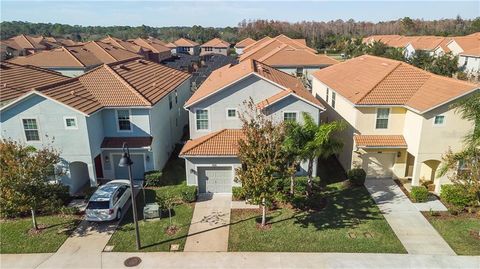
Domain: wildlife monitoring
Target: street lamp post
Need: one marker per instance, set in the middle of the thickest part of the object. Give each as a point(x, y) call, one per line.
point(126, 161)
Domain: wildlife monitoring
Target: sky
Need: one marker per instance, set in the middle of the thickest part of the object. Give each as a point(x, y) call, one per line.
point(226, 13)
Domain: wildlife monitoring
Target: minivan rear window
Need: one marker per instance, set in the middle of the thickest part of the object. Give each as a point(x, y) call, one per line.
point(98, 205)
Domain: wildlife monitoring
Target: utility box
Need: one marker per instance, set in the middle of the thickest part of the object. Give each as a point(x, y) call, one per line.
point(151, 211)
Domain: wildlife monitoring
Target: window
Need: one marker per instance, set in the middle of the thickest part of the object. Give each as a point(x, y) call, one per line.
point(208, 48)
point(123, 117)
point(328, 91)
point(299, 71)
point(176, 97)
point(334, 97)
point(231, 113)
point(202, 119)
point(382, 118)
point(70, 122)
point(289, 116)
point(31, 129)
point(170, 103)
point(439, 120)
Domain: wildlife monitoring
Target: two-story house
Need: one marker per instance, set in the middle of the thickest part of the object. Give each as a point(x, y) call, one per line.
point(240, 45)
point(89, 117)
point(215, 46)
point(399, 117)
point(184, 45)
point(215, 127)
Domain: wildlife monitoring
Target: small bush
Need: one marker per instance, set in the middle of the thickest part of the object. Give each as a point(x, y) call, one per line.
point(419, 194)
point(457, 195)
point(68, 210)
point(357, 176)
point(189, 194)
point(186, 194)
point(238, 193)
point(152, 178)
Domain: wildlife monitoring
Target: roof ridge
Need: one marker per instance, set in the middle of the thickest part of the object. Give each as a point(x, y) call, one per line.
point(130, 87)
point(103, 49)
point(250, 53)
point(273, 52)
point(24, 36)
point(73, 56)
point(380, 81)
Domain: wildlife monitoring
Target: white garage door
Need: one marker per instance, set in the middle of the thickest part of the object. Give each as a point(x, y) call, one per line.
point(378, 165)
point(215, 179)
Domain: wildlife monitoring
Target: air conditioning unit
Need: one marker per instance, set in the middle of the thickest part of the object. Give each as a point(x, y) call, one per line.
point(151, 211)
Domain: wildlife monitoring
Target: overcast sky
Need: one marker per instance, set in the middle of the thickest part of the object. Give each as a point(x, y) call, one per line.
point(226, 13)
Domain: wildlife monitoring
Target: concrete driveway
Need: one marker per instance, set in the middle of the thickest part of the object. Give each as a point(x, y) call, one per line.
point(210, 223)
point(412, 229)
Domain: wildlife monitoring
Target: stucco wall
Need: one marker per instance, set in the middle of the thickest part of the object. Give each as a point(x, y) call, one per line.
point(221, 51)
point(469, 64)
point(366, 121)
point(139, 118)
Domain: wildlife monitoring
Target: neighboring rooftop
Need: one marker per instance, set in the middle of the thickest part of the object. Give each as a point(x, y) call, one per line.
point(475, 52)
point(184, 42)
point(117, 42)
point(244, 42)
point(467, 42)
point(216, 43)
point(151, 44)
point(220, 143)
point(371, 80)
point(380, 141)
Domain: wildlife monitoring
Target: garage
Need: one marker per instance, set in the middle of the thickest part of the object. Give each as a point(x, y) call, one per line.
point(215, 179)
point(378, 165)
point(138, 167)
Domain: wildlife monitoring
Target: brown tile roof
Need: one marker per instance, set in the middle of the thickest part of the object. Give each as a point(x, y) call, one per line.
point(151, 45)
point(184, 42)
point(221, 143)
point(132, 142)
point(257, 44)
point(467, 42)
point(380, 141)
point(427, 43)
point(230, 74)
point(28, 42)
point(371, 80)
point(216, 43)
point(244, 42)
point(117, 42)
point(89, 54)
point(302, 41)
point(475, 52)
point(477, 34)
point(16, 80)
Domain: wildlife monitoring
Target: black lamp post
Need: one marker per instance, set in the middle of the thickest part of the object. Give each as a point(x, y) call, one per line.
point(125, 161)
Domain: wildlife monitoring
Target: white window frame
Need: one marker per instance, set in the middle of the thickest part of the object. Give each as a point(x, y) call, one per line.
point(228, 117)
point(65, 118)
point(38, 129)
point(129, 117)
point(296, 115)
point(443, 123)
point(208, 123)
point(376, 117)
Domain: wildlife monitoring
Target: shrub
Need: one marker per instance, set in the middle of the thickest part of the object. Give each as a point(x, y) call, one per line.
point(152, 178)
point(357, 176)
point(238, 193)
point(68, 210)
point(189, 194)
point(419, 194)
point(457, 195)
point(182, 192)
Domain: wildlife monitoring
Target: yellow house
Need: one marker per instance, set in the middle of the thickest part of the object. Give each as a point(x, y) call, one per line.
point(399, 117)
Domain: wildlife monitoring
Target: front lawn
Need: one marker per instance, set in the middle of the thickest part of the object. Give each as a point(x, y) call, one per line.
point(458, 231)
point(350, 222)
point(15, 237)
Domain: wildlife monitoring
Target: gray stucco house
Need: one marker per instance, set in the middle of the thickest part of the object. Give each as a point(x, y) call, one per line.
point(89, 117)
point(215, 128)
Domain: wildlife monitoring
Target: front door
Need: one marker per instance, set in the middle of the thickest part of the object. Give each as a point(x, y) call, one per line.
point(98, 166)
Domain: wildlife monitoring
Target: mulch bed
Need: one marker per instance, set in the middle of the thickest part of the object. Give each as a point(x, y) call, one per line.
point(41, 227)
point(171, 230)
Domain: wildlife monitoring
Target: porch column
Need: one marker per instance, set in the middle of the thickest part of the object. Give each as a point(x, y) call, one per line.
point(417, 167)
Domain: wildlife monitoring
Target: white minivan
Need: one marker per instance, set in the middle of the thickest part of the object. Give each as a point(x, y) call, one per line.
point(108, 200)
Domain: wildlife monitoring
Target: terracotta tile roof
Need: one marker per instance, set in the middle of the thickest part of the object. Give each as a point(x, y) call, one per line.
point(257, 44)
point(221, 143)
point(371, 80)
point(477, 34)
point(444, 43)
point(301, 41)
point(171, 45)
point(475, 52)
point(16, 80)
point(467, 42)
point(427, 43)
point(230, 74)
point(380, 141)
point(28, 42)
point(151, 45)
point(122, 44)
point(184, 42)
point(156, 40)
point(133, 142)
point(92, 53)
point(216, 43)
point(244, 42)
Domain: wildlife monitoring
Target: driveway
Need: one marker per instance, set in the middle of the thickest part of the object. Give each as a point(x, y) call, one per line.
point(210, 223)
point(412, 229)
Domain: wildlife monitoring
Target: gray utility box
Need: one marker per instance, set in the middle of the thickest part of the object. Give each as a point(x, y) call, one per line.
point(151, 211)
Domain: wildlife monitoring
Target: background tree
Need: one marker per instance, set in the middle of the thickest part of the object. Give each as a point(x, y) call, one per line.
point(445, 65)
point(421, 59)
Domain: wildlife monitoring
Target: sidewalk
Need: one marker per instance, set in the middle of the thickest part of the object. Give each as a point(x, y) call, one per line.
point(412, 229)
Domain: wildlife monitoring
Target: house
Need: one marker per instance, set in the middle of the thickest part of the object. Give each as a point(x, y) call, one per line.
point(215, 128)
point(239, 46)
point(428, 44)
point(466, 48)
point(469, 62)
point(129, 46)
point(215, 46)
point(26, 44)
point(157, 51)
point(184, 45)
point(8, 50)
point(89, 117)
point(76, 60)
point(399, 117)
point(287, 55)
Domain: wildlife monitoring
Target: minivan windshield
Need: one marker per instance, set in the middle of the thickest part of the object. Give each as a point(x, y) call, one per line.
point(98, 205)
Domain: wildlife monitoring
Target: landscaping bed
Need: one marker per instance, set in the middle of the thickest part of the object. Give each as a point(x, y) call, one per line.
point(17, 236)
point(349, 222)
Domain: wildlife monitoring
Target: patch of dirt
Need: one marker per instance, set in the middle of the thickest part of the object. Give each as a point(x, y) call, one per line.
point(267, 226)
point(41, 227)
point(171, 230)
point(475, 234)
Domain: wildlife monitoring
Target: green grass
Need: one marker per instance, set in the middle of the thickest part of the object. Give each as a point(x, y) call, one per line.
point(347, 211)
point(174, 171)
point(16, 239)
point(456, 231)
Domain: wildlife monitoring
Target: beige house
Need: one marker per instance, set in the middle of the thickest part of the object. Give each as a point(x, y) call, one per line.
point(215, 46)
point(184, 45)
point(399, 117)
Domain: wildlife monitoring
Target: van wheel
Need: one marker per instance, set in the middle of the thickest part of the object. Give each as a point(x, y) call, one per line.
point(119, 214)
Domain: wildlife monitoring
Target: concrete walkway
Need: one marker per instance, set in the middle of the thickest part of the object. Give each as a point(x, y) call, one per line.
point(414, 231)
point(210, 224)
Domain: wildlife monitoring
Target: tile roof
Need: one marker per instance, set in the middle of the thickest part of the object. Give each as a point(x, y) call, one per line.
point(184, 42)
point(117, 42)
point(16, 80)
point(128, 83)
point(427, 42)
point(27, 42)
point(216, 43)
point(380, 141)
point(475, 52)
point(257, 44)
point(152, 45)
point(244, 42)
point(477, 34)
point(220, 143)
point(467, 42)
point(229, 74)
point(371, 80)
point(92, 53)
point(133, 142)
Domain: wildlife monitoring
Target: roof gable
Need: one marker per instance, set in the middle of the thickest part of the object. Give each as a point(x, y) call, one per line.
point(244, 42)
point(216, 43)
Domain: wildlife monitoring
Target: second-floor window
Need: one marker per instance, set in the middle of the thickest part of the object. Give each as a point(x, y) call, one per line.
point(289, 116)
point(382, 118)
point(202, 119)
point(231, 113)
point(299, 71)
point(328, 92)
point(123, 118)
point(170, 102)
point(334, 97)
point(30, 127)
point(176, 97)
point(208, 49)
point(439, 120)
point(70, 123)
